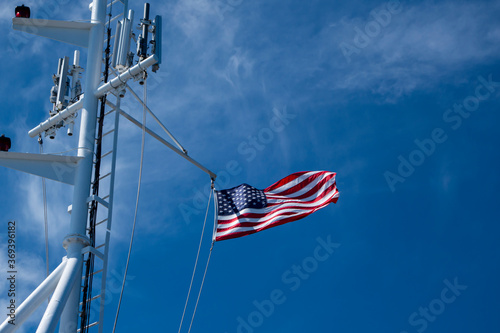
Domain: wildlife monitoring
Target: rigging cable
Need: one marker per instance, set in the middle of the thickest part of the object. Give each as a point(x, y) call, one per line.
point(44, 192)
point(136, 203)
point(201, 287)
point(196, 261)
point(208, 261)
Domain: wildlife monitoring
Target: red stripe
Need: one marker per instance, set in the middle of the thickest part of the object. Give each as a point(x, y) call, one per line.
point(311, 192)
point(248, 232)
point(331, 189)
point(305, 183)
point(285, 180)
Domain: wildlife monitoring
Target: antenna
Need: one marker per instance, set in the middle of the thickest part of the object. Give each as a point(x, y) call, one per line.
point(142, 41)
point(122, 57)
point(59, 92)
point(65, 92)
point(156, 41)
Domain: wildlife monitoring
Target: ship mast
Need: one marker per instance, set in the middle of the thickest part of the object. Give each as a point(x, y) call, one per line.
point(64, 283)
point(77, 239)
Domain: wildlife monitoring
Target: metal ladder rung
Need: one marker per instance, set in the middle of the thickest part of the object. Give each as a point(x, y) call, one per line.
point(106, 175)
point(106, 197)
point(113, 2)
point(101, 245)
point(109, 152)
point(112, 36)
point(93, 324)
point(106, 40)
point(109, 112)
point(98, 199)
point(116, 17)
point(93, 298)
point(89, 326)
point(108, 132)
point(94, 273)
point(101, 222)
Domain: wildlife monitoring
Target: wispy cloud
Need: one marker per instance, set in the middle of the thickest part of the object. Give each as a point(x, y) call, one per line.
point(30, 273)
point(421, 45)
point(239, 66)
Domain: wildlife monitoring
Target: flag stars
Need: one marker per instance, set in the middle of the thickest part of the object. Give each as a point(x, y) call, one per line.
point(236, 199)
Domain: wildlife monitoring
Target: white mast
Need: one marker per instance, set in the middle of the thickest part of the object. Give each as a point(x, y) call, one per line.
point(76, 240)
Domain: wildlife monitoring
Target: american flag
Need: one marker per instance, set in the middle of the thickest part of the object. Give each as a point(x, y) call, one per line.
point(244, 210)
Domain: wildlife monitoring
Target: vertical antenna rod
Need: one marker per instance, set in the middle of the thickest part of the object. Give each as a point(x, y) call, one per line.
point(142, 47)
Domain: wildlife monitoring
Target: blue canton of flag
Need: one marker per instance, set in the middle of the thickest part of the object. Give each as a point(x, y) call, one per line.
point(234, 200)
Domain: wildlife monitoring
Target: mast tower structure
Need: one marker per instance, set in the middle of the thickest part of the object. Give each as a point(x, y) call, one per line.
point(63, 285)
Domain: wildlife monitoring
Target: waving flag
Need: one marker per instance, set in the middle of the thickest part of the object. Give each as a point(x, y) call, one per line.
point(244, 210)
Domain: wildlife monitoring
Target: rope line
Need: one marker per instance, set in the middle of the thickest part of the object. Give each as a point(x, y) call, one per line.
point(201, 287)
point(216, 210)
point(206, 267)
point(196, 261)
point(44, 193)
point(136, 205)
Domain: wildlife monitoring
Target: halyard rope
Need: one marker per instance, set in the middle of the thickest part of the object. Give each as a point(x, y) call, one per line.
point(196, 264)
point(44, 192)
point(136, 203)
point(201, 287)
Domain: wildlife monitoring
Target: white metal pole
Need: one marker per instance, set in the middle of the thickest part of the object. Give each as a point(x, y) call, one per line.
point(59, 298)
point(156, 119)
point(168, 144)
point(79, 214)
point(129, 73)
point(34, 300)
point(60, 116)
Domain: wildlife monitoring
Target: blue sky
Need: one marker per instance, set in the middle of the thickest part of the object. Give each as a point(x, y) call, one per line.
point(399, 98)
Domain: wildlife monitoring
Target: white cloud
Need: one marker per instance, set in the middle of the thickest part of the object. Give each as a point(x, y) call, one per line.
point(239, 66)
point(417, 49)
point(194, 16)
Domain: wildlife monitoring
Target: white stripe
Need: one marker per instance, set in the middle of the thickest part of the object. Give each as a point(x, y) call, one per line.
point(294, 182)
point(258, 226)
point(284, 204)
point(297, 182)
point(269, 219)
point(277, 198)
